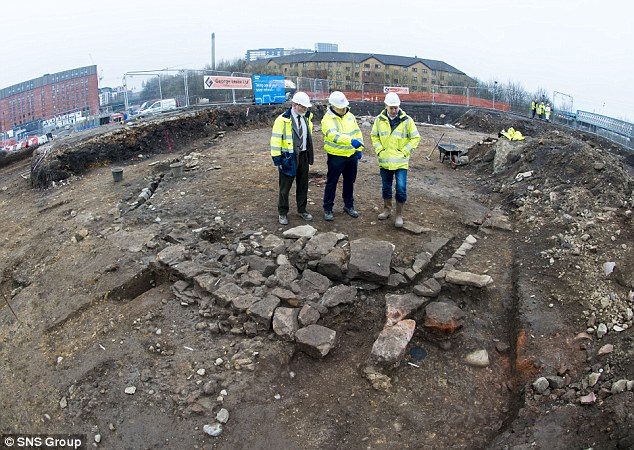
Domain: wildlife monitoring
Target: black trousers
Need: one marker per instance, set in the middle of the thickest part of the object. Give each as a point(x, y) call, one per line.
point(301, 187)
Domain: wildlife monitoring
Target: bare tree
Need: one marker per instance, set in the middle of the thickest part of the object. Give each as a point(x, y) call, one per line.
point(542, 95)
point(516, 95)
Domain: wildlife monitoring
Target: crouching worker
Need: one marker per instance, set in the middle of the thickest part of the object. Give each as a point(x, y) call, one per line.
point(292, 153)
point(395, 137)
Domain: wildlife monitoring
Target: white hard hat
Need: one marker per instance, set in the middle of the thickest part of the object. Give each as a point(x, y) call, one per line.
point(391, 99)
point(301, 98)
point(338, 99)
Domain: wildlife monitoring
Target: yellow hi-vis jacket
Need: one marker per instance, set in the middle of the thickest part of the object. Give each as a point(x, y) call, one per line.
point(339, 133)
point(512, 134)
point(393, 148)
point(282, 142)
point(533, 106)
point(540, 109)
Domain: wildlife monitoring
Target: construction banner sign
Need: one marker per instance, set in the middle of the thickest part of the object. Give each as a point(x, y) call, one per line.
point(218, 82)
point(396, 89)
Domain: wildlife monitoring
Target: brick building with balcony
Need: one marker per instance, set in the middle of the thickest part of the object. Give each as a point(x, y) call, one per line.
point(49, 96)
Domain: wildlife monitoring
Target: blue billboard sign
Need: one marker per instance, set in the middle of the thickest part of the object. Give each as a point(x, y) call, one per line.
point(268, 89)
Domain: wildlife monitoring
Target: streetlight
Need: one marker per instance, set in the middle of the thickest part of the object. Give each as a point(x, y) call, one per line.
point(495, 87)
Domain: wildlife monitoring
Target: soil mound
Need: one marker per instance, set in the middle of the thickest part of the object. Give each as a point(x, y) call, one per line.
point(74, 156)
point(560, 163)
point(495, 121)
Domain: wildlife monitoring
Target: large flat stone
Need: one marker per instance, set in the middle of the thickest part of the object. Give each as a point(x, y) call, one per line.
point(286, 274)
point(321, 244)
point(301, 231)
point(429, 288)
point(285, 322)
point(435, 244)
point(414, 228)
point(334, 264)
point(285, 295)
point(392, 342)
point(468, 279)
point(252, 278)
point(421, 261)
point(337, 295)
point(172, 254)
point(227, 292)
point(206, 282)
point(443, 318)
point(308, 315)
point(313, 282)
point(244, 302)
point(271, 241)
point(263, 265)
point(262, 311)
point(188, 269)
point(370, 260)
point(396, 280)
point(399, 307)
point(315, 340)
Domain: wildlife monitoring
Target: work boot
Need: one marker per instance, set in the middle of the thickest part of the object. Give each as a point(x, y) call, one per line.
point(328, 216)
point(387, 210)
point(398, 223)
point(306, 216)
point(351, 212)
point(283, 219)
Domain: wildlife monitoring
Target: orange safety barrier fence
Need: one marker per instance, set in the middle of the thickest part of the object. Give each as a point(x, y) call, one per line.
point(419, 97)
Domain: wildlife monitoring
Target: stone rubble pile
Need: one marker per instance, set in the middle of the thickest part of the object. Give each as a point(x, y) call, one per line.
point(441, 319)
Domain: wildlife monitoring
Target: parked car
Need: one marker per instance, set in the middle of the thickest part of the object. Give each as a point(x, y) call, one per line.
point(159, 106)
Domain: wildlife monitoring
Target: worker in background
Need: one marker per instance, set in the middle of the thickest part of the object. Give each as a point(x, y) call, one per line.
point(547, 112)
point(540, 110)
point(342, 142)
point(292, 153)
point(533, 108)
point(395, 137)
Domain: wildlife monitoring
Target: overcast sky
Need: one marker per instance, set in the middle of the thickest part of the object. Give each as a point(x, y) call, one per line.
point(578, 47)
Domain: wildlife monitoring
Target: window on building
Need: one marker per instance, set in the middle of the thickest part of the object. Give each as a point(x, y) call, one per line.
point(415, 79)
point(347, 77)
point(366, 65)
point(424, 70)
point(414, 69)
point(377, 66)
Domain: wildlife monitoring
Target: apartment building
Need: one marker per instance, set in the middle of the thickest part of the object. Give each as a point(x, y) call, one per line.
point(350, 70)
point(50, 95)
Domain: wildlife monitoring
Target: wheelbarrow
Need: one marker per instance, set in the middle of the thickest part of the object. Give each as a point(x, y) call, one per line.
point(457, 157)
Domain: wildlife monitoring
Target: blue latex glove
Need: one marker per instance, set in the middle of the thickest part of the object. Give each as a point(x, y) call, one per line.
point(356, 143)
point(359, 154)
point(277, 160)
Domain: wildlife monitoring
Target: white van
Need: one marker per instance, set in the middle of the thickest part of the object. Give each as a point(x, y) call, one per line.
point(159, 106)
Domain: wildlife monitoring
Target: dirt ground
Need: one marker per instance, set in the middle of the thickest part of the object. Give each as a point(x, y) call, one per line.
point(76, 346)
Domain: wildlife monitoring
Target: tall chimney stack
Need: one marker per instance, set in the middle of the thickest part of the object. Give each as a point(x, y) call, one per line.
point(213, 51)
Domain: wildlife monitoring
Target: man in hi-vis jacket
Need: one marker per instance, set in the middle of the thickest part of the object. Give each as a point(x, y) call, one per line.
point(292, 153)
